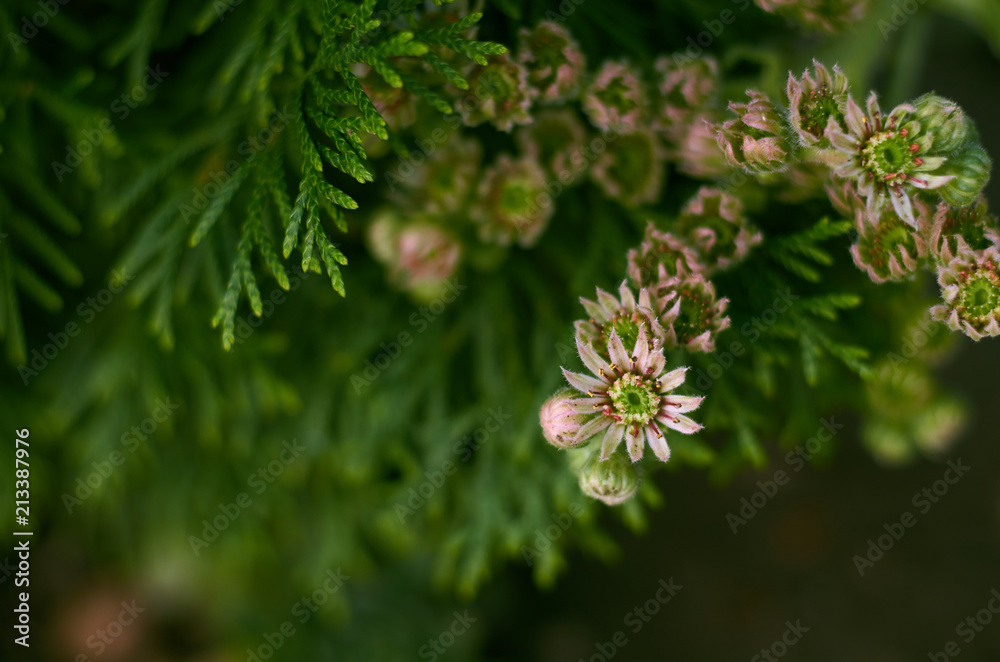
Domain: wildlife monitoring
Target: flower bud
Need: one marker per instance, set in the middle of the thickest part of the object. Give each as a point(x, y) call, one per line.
point(971, 170)
point(554, 61)
point(944, 120)
point(693, 315)
point(714, 224)
point(685, 88)
point(498, 93)
point(956, 229)
point(754, 140)
point(513, 202)
point(615, 100)
point(813, 102)
point(560, 420)
point(661, 256)
point(613, 481)
point(556, 140)
point(887, 247)
point(631, 169)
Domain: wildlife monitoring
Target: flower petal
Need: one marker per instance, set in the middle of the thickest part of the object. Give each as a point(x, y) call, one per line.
point(680, 422)
point(617, 351)
point(589, 357)
point(641, 351)
point(635, 442)
point(585, 405)
point(592, 427)
point(683, 403)
point(612, 438)
point(583, 383)
point(658, 443)
point(672, 379)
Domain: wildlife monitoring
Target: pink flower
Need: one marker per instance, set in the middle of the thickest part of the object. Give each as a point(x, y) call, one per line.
point(554, 61)
point(513, 203)
point(714, 224)
point(498, 93)
point(631, 169)
point(630, 398)
point(661, 256)
point(970, 287)
point(692, 314)
point(887, 248)
point(887, 157)
point(615, 99)
point(626, 316)
point(560, 421)
point(754, 141)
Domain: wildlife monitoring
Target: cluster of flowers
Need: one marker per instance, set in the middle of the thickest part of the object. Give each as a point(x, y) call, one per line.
point(610, 126)
point(624, 341)
point(910, 179)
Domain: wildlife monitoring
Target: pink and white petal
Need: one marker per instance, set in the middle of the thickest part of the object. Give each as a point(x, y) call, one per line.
point(656, 361)
point(592, 427)
point(658, 443)
point(586, 405)
point(617, 351)
point(593, 310)
point(628, 299)
point(901, 203)
point(641, 351)
point(681, 423)
point(701, 343)
point(672, 379)
point(929, 181)
point(589, 357)
point(634, 442)
point(683, 403)
point(608, 303)
point(668, 317)
point(583, 383)
point(855, 119)
point(612, 438)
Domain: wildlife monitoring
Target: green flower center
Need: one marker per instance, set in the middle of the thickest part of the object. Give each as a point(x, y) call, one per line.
point(549, 53)
point(693, 319)
point(634, 399)
point(515, 198)
point(887, 154)
point(615, 94)
point(885, 240)
point(816, 109)
point(980, 296)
